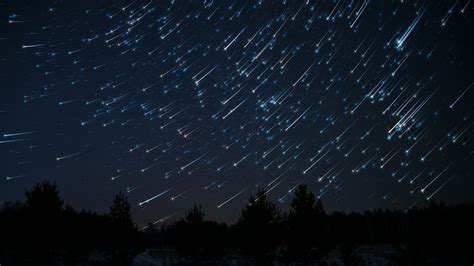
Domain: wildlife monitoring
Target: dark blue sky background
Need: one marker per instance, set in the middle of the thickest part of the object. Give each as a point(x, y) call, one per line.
point(176, 103)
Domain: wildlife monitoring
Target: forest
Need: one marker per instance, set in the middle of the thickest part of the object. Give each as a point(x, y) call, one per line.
point(43, 230)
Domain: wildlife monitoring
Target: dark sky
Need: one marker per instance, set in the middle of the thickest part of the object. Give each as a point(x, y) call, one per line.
point(368, 102)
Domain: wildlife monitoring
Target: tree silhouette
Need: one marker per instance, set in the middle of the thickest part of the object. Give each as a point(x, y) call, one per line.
point(259, 211)
point(258, 228)
point(42, 216)
point(305, 222)
point(43, 199)
point(122, 231)
point(196, 238)
point(45, 231)
point(120, 211)
point(304, 204)
point(195, 215)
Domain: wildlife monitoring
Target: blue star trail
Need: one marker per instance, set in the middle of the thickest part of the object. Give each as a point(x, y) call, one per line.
point(177, 102)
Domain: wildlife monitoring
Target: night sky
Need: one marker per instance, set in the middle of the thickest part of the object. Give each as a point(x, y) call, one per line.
point(369, 103)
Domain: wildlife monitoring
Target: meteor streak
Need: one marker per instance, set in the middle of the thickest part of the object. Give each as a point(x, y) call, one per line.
point(154, 197)
point(231, 198)
point(33, 45)
point(67, 156)
point(6, 135)
point(12, 140)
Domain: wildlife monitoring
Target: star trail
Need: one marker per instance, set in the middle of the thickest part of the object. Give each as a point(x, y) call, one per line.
point(183, 102)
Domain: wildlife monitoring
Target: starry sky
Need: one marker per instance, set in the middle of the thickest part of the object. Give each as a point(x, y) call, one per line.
point(369, 103)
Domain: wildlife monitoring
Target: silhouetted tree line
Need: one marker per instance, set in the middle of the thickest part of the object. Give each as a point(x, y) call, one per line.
point(43, 228)
point(434, 234)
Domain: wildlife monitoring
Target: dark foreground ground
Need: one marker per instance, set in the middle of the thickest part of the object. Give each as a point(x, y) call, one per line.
point(362, 255)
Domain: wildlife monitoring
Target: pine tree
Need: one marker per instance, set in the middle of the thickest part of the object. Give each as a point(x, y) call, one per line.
point(43, 199)
point(259, 227)
point(195, 215)
point(306, 223)
point(120, 211)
